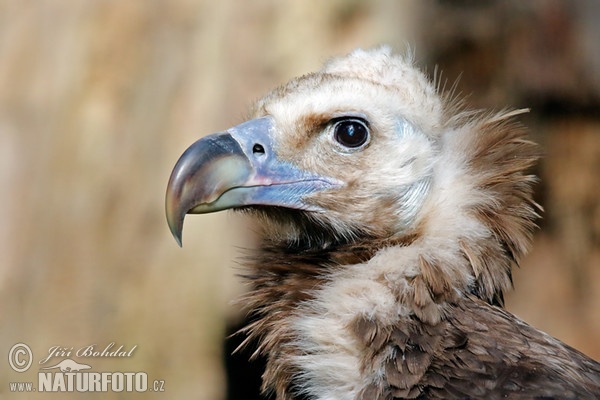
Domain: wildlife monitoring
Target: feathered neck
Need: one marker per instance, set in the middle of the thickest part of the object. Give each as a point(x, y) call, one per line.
point(476, 224)
point(482, 203)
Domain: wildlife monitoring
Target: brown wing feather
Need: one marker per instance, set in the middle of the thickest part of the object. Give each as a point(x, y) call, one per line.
point(479, 352)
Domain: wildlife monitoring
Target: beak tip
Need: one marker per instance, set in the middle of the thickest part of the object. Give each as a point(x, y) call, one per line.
point(173, 211)
point(176, 227)
point(175, 222)
point(177, 236)
point(178, 240)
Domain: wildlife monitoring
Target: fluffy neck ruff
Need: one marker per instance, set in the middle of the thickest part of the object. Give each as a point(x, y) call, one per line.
point(309, 295)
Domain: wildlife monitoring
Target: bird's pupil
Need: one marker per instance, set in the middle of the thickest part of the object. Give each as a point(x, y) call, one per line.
point(351, 133)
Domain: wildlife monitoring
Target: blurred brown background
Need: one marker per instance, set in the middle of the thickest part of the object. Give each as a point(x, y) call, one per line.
point(98, 98)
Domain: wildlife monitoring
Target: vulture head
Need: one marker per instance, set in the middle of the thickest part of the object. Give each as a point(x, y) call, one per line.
point(336, 149)
point(391, 219)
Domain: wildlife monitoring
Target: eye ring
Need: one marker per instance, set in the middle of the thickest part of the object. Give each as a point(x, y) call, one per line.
point(352, 133)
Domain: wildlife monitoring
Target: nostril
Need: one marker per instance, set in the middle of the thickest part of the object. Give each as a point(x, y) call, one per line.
point(258, 149)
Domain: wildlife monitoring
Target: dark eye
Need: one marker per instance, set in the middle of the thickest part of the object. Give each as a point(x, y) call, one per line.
point(351, 133)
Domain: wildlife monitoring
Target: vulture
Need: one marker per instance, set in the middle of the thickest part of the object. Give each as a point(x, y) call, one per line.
point(390, 218)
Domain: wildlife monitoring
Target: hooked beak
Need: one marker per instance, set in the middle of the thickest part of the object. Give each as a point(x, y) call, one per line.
point(237, 168)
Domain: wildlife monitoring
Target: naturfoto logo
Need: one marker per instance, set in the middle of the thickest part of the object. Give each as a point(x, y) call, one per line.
point(69, 375)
